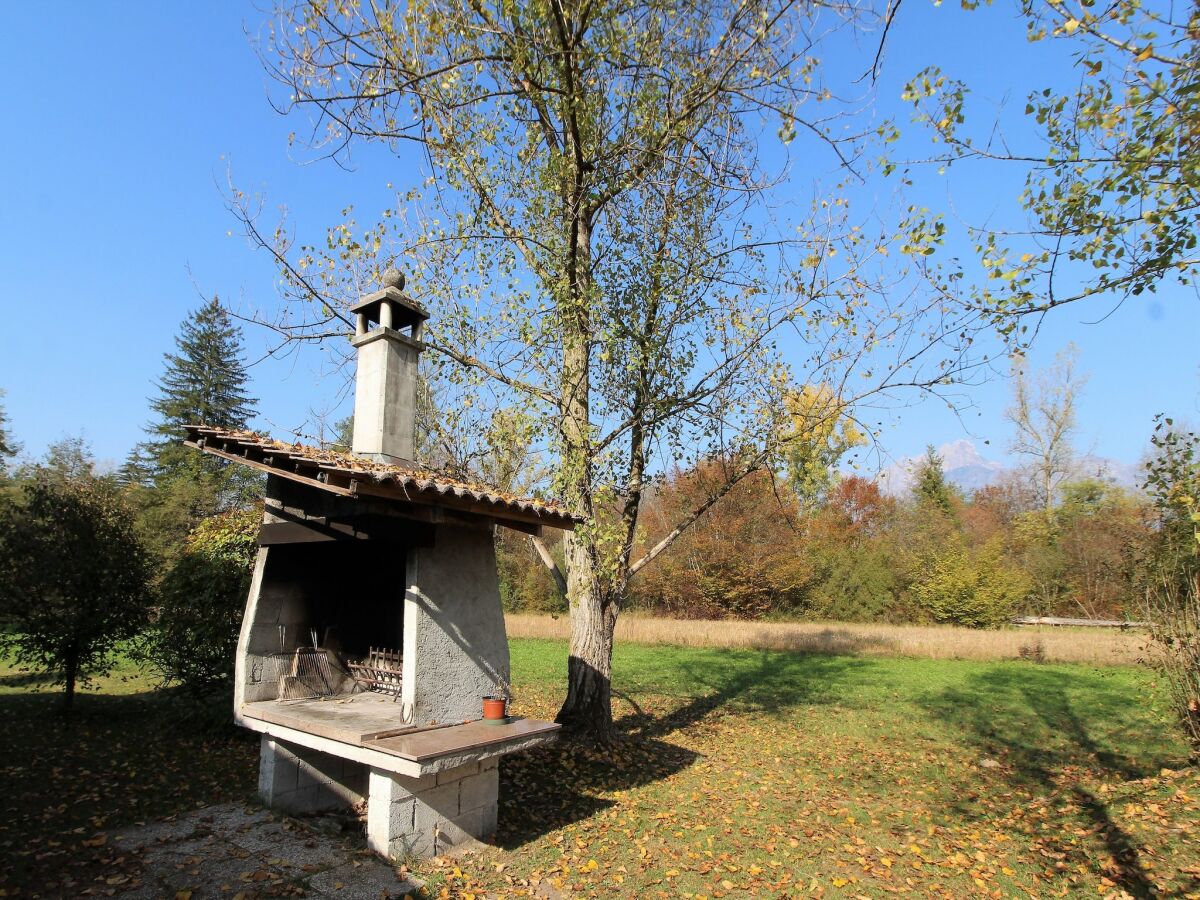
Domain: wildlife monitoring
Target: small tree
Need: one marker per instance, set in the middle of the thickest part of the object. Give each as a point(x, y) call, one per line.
point(1173, 484)
point(1172, 602)
point(73, 580)
point(1044, 422)
point(195, 633)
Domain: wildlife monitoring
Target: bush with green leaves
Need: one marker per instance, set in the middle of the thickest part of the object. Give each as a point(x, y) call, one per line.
point(74, 578)
point(853, 584)
point(975, 589)
point(193, 639)
point(1173, 486)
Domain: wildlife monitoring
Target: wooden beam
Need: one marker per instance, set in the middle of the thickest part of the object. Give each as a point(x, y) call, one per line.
point(504, 516)
point(344, 482)
point(366, 528)
point(273, 470)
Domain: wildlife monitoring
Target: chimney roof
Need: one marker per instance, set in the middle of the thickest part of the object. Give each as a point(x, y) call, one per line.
point(405, 311)
point(350, 475)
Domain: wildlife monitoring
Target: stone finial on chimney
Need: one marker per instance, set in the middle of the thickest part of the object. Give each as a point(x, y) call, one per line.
point(387, 334)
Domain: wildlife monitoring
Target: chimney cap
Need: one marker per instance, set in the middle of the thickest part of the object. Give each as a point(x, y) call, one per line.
point(404, 311)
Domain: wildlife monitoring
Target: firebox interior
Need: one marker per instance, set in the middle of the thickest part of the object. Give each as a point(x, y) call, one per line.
point(351, 593)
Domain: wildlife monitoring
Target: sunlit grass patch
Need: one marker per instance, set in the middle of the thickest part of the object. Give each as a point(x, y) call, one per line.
point(742, 773)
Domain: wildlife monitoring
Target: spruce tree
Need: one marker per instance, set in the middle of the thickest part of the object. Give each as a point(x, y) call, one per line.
point(8, 447)
point(204, 382)
point(931, 488)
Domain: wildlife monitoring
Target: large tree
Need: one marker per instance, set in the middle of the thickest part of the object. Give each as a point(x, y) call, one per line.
point(204, 381)
point(598, 238)
point(8, 446)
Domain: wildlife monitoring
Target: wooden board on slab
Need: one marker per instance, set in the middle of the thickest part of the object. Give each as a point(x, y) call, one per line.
point(423, 745)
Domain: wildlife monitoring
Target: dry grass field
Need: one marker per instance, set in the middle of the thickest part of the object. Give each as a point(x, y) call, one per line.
point(1092, 646)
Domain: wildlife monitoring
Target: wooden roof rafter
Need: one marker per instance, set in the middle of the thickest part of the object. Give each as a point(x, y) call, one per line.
point(353, 476)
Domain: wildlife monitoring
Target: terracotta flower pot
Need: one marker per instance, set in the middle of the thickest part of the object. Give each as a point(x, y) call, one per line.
point(494, 707)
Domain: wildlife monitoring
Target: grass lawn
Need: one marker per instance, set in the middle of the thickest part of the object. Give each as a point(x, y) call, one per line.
point(745, 773)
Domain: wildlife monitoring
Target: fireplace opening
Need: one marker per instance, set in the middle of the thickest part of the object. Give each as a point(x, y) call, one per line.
point(332, 621)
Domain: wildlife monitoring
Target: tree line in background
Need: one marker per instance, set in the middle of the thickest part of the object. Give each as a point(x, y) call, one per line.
point(151, 560)
point(935, 555)
point(809, 542)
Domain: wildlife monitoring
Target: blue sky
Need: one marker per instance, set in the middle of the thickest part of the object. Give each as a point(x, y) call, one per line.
point(121, 122)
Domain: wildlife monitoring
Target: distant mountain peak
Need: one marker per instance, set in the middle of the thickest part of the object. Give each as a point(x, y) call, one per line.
point(969, 470)
point(962, 453)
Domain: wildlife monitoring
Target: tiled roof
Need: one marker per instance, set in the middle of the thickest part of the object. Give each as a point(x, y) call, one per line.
point(350, 475)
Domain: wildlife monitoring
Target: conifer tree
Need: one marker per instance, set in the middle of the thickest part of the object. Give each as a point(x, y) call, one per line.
point(204, 382)
point(8, 447)
point(931, 488)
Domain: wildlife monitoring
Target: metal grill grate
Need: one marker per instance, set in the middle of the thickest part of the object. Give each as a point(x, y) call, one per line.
point(382, 671)
point(302, 674)
point(306, 673)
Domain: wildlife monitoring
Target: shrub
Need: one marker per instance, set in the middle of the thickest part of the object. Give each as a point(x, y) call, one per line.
point(193, 639)
point(853, 584)
point(1174, 613)
point(973, 589)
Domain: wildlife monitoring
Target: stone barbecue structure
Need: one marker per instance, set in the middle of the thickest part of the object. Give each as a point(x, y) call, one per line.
point(373, 626)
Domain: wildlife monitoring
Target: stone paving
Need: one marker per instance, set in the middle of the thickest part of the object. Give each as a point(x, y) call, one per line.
point(234, 850)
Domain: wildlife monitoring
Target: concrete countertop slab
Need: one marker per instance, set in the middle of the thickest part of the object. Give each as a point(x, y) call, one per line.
point(352, 719)
point(369, 728)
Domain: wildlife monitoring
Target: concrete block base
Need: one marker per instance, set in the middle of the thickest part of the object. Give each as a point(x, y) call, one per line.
point(294, 779)
point(429, 815)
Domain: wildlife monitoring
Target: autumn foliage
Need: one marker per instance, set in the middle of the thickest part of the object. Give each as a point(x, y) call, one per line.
point(767, 550)
point(740, 563)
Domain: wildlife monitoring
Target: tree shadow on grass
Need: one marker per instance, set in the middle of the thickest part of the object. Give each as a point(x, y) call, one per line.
point(34, 680)
point(119, 759)
point(1048, 727)
point(548, 788)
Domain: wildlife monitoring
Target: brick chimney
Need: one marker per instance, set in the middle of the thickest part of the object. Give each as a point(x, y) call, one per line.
point(387, 335)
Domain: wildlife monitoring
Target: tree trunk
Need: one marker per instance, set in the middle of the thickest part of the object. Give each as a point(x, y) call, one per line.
point(70, 675)
point(587, 710)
